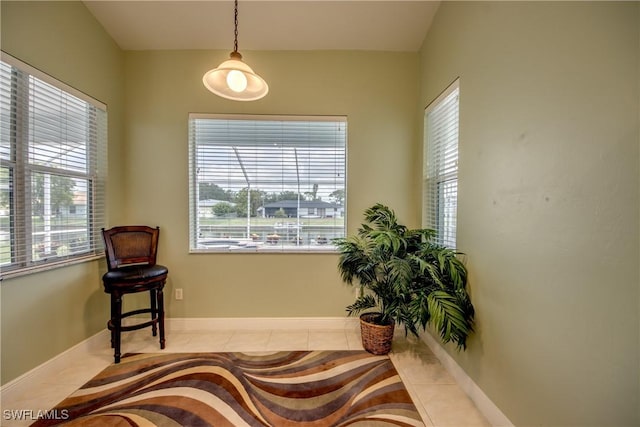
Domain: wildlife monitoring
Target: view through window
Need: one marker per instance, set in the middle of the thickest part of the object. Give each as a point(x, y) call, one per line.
point(440, 175)
point(266, 183)
point(52, 170)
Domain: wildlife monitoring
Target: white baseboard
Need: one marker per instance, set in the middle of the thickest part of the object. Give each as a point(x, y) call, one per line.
point(260, 323)
point(491, 412)
point(74, 355)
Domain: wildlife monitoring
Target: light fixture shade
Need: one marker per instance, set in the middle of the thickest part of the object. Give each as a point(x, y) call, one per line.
point(219, 82)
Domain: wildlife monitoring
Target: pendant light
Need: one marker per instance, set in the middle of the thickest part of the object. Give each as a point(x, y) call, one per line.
point(233, 79)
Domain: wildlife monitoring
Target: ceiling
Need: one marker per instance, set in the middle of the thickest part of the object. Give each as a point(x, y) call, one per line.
point(394, 25)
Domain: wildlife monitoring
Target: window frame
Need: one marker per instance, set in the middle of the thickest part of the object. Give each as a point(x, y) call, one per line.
point(320, 246)
point(440, 168)
point(23, 172)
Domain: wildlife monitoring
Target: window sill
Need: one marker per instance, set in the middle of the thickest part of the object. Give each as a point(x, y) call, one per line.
point(273, 251)
point(11, 274)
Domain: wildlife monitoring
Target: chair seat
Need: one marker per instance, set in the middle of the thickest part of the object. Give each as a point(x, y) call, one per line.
point(134, 274)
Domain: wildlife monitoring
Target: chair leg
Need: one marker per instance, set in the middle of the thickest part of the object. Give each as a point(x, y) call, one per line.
point(154, 310)
point(160, 296)
point(117, 325)
point(112, 320)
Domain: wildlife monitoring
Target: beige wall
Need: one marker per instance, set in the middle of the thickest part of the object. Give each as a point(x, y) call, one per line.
point(152, 93)
point(44, 314)
point(378, 93)
point(548, 201)
point(549, 188)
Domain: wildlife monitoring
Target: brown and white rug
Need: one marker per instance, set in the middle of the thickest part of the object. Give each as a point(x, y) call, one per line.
point(299, 388)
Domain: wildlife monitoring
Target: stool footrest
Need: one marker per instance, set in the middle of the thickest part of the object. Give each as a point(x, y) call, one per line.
point(133, 327)
point(140, 311)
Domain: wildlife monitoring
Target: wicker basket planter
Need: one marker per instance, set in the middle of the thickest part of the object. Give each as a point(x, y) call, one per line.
point(376, 339)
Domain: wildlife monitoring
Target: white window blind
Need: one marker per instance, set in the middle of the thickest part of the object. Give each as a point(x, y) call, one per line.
point(266, 183)
point(440, 173)
point(52, 171)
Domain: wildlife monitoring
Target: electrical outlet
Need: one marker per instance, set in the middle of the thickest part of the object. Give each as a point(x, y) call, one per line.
point(179, 293)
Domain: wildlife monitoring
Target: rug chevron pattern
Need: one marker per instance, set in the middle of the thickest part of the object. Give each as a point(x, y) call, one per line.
point(299, 388)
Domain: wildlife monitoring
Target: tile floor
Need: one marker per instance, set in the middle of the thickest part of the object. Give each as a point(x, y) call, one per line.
point(438, 398)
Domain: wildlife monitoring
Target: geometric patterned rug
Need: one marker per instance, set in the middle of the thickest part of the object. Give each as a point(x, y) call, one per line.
point(292, 388)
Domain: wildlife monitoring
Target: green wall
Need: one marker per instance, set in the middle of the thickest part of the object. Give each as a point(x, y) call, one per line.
point(149, 95)
point(46, 313)
point(378, 92)
point(549, 188)
point(548, 201)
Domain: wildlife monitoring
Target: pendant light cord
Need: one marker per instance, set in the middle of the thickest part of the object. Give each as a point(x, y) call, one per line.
point(235, 42)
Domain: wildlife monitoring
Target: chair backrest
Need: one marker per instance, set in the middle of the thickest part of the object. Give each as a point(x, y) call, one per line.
point(130, 244)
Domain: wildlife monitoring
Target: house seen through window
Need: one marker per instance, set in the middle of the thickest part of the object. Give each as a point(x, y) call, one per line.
point(266, 183)
point(52, 170)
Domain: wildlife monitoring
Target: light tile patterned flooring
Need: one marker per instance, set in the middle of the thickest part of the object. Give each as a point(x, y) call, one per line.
point(436, 395)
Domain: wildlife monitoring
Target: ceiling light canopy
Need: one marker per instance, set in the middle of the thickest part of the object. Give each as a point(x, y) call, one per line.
point(233, 79)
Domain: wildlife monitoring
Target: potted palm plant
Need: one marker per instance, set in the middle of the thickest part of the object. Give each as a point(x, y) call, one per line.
point(405, 279)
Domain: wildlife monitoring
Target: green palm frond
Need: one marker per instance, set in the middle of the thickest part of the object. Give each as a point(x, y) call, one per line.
point(389, 240)
point(408, 278)
point(430, 272)
point(364, 302)
point(401, 272)
point(419, 308)
point(381, 216)
point(448, 318)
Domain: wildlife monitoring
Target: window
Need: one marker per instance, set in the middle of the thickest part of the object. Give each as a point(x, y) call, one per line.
point(440, 173)
point(52, 170)
point(266, 183)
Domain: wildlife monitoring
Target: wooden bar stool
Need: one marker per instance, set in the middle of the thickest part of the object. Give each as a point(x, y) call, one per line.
point(131, 259)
